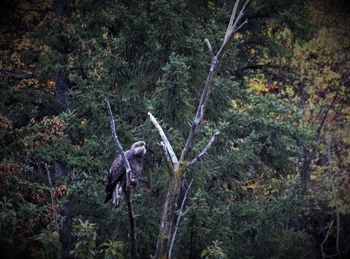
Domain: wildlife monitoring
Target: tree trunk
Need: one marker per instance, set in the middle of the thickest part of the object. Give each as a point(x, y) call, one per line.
point(176, 167)
point(132, 234)
point(61, 90)
point(168, 215)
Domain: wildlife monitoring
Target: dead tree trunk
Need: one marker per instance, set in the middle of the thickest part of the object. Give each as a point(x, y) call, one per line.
point(177, 168)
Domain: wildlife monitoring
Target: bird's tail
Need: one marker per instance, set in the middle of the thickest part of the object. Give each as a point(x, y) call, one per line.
point(117, 196)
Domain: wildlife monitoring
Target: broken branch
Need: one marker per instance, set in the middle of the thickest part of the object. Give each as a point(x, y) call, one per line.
point(210, 49)
point(166, 142)
point(167, 158)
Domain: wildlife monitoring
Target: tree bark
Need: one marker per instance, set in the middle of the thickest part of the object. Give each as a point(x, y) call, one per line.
point(62, 87)
point(168, 215)
point(132, 234)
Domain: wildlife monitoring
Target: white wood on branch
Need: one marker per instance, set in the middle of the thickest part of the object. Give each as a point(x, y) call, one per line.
point(167, 158)
point(206, 148)
point(210, 49)
point(232, 21)
point(234, 25)
point(117, 143)
point(166, 142)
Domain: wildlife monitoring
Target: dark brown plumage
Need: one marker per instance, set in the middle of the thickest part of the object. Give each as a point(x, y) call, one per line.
point(116, 182)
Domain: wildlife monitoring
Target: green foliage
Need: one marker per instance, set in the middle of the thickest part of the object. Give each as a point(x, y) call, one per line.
point(8, 220)
point(213, 251)
point(50, 242)
point(85, 246)
point(172, 93)
point(112, 249)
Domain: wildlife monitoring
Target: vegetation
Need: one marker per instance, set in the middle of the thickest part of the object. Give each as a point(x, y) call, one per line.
point(274, 183)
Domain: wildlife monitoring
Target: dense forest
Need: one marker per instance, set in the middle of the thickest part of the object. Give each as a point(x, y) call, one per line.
point(272, 171)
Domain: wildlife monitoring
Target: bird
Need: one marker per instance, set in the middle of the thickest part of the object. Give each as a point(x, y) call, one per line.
point(116, 179)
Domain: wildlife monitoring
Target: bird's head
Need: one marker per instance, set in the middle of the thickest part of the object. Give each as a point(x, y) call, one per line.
point(139, 148)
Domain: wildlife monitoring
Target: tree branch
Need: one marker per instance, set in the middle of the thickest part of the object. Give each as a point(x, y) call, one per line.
point(166, 142)
point(231, 30)
point(167, 159)
point(319, 129)
point(325, 239)
point(206, 148)
point(119, 146)
point(334, 195)
point(210, 49)
point(232, 27)
point(179, 217)
point(19, 75)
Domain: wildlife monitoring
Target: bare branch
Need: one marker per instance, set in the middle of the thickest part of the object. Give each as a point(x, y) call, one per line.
point(234, 21)
point(206, 148)
point(325, 239)
point(179, 217)
point(241, 25)
point(167, 158)
point(210, 49)
point(166, 142)
point(118, 145)
point(330, 174)
point(52, 196)
point(238, 19)
point(231, 30)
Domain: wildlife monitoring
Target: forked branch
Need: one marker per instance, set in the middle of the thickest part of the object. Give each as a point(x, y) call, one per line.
point(234, 25)
point(167, 234)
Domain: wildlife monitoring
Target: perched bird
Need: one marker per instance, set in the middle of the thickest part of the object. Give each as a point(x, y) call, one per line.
point(116, 183)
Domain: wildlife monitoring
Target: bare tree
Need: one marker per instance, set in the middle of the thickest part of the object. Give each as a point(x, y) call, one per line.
point(176, 168)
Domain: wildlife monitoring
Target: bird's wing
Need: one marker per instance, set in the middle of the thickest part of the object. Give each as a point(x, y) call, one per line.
point(115, 173)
